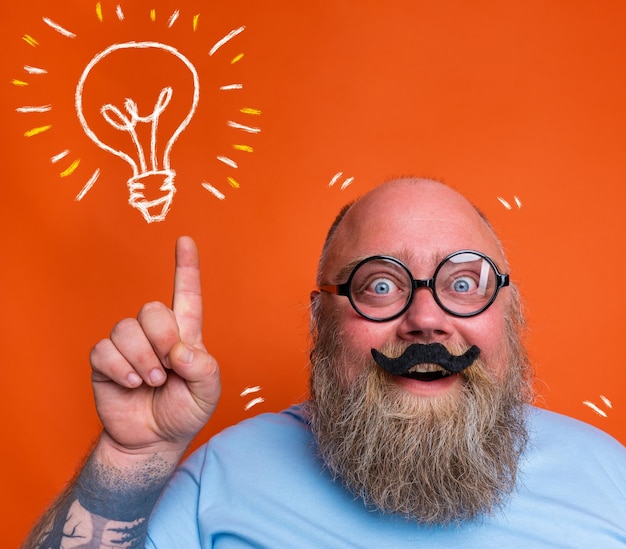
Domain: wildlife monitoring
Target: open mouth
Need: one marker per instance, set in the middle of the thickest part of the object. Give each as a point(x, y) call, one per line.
point(423, 373)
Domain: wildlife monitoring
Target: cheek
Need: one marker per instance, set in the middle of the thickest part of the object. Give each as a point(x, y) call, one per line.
point(489, 333)
point(359, 336)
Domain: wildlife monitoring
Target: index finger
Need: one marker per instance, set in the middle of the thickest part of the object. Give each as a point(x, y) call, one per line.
point(187, 301)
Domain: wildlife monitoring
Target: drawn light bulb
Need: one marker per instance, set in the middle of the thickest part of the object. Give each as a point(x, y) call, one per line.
point(148, 143)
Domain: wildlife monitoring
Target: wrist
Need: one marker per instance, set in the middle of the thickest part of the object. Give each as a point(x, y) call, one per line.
point(120, 485)
point(111, 453)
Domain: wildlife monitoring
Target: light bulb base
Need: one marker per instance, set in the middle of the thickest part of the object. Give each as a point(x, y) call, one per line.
point(152, 193)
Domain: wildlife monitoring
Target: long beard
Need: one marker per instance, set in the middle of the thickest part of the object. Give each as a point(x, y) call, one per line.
point(438, 460)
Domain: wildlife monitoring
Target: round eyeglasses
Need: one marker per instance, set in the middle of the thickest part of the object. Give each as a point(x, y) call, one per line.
point(381, 288)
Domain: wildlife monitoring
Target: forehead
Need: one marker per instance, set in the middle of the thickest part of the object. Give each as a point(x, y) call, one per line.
point(416, 223)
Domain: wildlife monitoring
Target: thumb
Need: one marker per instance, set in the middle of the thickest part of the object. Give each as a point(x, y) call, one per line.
point(200, 371)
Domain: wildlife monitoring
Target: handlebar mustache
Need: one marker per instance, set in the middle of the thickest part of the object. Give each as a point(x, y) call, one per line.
point(431, 353)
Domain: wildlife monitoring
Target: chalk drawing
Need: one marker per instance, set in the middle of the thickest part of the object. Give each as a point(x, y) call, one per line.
point(149, 169)
point(596, 408)
point(507, 205)
point(335, 179)
point(151, 184)
point(254, 401)
point(59, 156)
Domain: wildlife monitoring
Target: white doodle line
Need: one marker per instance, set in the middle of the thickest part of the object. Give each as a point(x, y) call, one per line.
point(34, 70)
point(507, 205)
point(58, 28)
point(173, 18)
point(597, 409)
point(226, 39)
point(338, 176)
point(42, 108)
point(254, 401)
point(59, 156)
point(238, 126)
point(217, 194)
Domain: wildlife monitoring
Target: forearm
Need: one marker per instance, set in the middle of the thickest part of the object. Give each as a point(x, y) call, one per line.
point(107, 505)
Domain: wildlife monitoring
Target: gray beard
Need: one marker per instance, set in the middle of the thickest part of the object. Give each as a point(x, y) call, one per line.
point(437, 460)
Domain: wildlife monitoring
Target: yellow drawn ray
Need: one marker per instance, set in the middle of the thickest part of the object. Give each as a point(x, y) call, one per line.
point(71, 168)
point(37, 131)
point(30, 40)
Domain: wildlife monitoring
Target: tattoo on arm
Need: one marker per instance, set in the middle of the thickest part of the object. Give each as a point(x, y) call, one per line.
point(104, 507)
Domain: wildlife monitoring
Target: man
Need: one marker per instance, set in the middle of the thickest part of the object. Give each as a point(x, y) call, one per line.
point(419, 430)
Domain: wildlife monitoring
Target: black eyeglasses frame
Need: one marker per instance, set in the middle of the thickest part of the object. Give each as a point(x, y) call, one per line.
point(502, 280)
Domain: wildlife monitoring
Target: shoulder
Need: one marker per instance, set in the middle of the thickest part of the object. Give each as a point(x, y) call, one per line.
point(288, 423)
point(570, 442)
point(547, 425)
point(268, 435)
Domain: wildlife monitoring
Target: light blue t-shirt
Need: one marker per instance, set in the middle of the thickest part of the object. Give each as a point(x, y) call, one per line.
point(260, 484)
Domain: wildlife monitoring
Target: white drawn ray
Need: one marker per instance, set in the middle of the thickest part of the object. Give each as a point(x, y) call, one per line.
point(226, 39)
point(249, 390)
point(61, 30)
point(507, 204)
point(253, 402)
point(228, 161)
point(596, 408)
point(59, 156)
point(238, 126)
point(348, 181)
point(217, 194)
point(94, 177)
point(173, 18)
point(34, 70)
point(40, 108)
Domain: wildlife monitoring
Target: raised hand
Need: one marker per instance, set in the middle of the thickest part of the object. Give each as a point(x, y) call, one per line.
point(155, 386)
point(154, 383)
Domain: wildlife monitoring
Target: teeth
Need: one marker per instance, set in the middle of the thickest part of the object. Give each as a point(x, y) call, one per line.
point(427, 368)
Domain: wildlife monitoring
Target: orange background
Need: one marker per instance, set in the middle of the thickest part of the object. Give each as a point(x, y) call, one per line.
point(499, 99)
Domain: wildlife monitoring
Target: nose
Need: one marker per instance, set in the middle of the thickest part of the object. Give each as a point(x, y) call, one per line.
point(424, 321)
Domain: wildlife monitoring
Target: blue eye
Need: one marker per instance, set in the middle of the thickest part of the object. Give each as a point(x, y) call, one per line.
point(382, 286)
point(463, 284)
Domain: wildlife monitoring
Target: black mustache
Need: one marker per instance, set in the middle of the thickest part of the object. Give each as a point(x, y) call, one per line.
point(431, 353)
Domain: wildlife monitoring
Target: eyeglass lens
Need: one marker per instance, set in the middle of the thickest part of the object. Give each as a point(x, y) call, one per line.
point(463, 284)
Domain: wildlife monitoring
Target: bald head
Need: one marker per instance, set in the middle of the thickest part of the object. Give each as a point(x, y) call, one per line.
point(418, 218)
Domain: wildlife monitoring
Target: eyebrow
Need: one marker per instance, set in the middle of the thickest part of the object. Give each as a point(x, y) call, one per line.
point(404, 256)
point(345, 271)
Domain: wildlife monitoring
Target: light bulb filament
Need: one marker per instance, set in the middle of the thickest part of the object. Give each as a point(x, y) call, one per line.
point(128, 123)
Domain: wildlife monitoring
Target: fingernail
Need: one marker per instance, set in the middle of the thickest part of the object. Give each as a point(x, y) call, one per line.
point(186, 355)
point(133, 379)
point(156, 376)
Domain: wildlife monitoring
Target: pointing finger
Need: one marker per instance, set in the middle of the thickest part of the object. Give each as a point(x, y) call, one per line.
point(187, 302)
